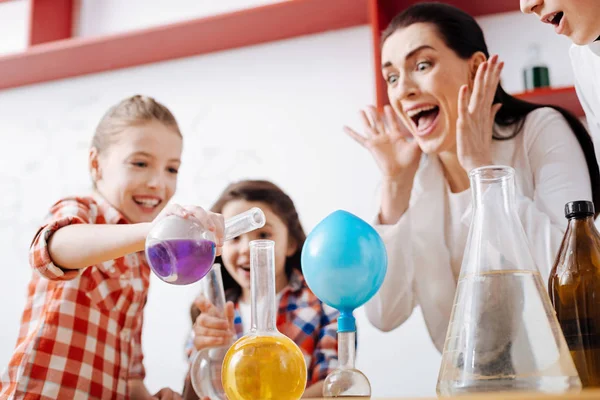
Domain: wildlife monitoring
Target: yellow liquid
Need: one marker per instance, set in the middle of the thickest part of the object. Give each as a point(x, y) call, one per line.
point(265, 368)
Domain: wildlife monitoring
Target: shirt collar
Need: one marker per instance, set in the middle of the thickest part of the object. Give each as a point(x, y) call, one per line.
point(595, 47)
point(110, 213)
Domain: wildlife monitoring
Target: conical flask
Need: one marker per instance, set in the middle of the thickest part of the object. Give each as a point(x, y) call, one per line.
point(263, 364)
point(205, 371)
point(503, 333)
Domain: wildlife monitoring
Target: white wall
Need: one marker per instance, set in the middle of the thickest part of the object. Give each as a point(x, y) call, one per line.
point(115, 16)
point(13, 26)
point(510, 35)
point(273, 111)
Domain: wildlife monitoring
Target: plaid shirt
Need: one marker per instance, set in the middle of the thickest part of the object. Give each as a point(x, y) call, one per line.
point(80, 333)
point(310, 323)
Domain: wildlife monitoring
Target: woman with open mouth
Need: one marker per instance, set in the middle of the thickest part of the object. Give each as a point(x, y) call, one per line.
point(443, 86)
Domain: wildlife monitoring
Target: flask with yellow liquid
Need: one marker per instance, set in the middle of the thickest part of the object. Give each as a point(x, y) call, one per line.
point(263, 364)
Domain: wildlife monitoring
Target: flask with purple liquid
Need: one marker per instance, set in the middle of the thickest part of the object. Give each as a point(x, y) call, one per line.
point(181, 251)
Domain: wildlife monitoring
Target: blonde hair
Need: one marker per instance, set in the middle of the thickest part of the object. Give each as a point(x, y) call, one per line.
point(134, 110)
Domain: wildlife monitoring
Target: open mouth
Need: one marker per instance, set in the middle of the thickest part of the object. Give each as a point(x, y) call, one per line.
point(424, 117)
point(554, 18)
point(147, 202)
point(245, 270)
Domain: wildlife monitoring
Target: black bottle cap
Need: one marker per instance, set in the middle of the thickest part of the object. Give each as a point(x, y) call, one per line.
point(579, 209)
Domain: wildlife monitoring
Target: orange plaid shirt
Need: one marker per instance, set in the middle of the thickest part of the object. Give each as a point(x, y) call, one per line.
point(80, 333)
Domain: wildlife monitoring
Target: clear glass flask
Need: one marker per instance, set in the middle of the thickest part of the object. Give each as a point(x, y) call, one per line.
point(264, 364)
point(346, 380)
point(205, 371)
point(503, 333)
point(180, 251)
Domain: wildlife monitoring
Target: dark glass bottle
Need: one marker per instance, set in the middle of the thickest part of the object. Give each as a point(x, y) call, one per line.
point(574, 288)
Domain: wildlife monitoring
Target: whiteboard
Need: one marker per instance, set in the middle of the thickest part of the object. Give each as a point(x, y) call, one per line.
point(274, 111)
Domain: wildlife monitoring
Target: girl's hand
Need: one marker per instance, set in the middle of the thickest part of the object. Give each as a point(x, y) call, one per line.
point(167, 394)
point(209, 220)
point(476, 113)
point(393, 153)
point(212, 327)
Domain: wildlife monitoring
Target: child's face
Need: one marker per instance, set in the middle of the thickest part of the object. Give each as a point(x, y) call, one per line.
point(137, 173)
point(579, 20)
point(236, 252)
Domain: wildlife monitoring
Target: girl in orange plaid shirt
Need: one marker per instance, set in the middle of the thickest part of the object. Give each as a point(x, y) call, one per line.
point(301, 316)
point(80, 333)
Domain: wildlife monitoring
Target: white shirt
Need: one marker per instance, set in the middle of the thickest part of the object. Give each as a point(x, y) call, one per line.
point(586, 66)
point(425, 246)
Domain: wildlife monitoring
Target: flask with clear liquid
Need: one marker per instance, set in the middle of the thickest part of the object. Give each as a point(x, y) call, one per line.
point(205, 371)
point(180, 251)
point(574, 287)
point(263, 364)
point(503, 333)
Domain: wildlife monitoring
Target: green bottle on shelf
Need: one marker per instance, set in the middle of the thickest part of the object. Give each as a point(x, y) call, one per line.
point(536, 73)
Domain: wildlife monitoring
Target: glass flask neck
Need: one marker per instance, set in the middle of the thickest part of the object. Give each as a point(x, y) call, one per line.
point(493, 185)
point(262, 286)
point(212, 287)
point(244, 222)
point(347, 349)
point(496, 242)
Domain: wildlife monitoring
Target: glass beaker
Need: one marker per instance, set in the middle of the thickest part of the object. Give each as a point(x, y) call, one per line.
point(503, 334)
point(264, 364)
point(205, 371)
point(180, 251)
point(346, 250)
point(574, 288)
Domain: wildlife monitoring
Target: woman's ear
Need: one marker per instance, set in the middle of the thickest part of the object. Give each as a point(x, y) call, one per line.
point(474, 62)
point(94, 165)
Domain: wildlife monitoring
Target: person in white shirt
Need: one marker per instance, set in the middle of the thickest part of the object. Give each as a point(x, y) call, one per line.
point(445, 88)
point(579, 20)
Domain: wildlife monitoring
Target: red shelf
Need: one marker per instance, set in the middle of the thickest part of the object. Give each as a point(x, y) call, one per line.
point(79, 56)
point(473, 7)
point(565, 97)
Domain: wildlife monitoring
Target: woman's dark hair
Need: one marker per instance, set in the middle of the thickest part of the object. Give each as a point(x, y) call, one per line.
point(464, 36)
point(281, 204)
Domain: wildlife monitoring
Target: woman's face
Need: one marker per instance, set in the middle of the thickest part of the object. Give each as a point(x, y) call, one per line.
point(236, 252)
point(423, 78)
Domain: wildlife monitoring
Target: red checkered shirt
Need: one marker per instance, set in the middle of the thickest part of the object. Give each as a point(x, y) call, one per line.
point(80, 333)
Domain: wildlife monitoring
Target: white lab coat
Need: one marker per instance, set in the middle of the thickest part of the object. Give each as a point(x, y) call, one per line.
point(586, 67)
point(550, 171)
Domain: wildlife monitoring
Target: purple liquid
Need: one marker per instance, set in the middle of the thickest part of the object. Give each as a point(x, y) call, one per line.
point(193, 259)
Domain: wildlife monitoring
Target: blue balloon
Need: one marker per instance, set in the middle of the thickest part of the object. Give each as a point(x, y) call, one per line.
point(344, 262)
